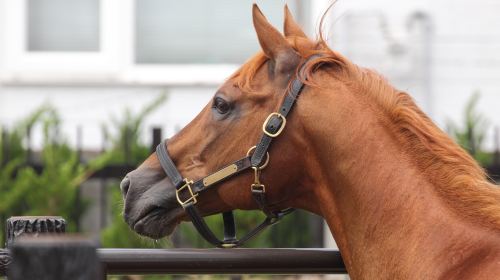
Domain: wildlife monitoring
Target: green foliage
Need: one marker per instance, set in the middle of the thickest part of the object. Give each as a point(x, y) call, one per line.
point(124, 135)
point(14, 139)
point(54, 190)
point(293, 231)
point(471, 134)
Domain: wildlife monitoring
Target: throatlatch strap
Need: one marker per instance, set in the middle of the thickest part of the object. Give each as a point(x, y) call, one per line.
point(203, 229)
point(201, 226)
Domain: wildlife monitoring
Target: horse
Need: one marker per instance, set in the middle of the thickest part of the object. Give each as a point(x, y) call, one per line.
point(402, 199)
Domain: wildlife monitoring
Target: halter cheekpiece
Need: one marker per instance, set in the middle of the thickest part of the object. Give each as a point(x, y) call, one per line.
point(256, 159)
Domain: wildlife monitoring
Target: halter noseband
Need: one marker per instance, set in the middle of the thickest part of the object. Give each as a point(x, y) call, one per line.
point(256, 159)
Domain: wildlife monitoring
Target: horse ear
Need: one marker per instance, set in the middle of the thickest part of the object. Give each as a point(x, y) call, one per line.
point(291, 27)
point(273, 43)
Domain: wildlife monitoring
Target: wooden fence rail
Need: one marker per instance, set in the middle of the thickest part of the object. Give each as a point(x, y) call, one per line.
point(215, 261)
point(144, 261)
point(221, 261)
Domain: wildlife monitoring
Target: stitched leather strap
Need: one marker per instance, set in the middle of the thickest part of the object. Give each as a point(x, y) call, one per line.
point(274, 124)
point(229, 227)
point(269, 221)
point(201, 226)
point(168, 165)
point(259, 195)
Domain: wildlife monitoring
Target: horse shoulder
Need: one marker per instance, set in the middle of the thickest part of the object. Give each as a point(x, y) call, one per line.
point(482, 262)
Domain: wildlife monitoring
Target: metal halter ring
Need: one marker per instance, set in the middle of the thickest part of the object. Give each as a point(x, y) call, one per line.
point(267, 157)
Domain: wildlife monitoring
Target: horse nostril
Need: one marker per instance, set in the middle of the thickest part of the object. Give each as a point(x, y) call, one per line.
point(124, 186)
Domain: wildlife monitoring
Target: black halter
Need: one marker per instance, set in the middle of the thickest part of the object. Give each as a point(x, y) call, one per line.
point(187, 191)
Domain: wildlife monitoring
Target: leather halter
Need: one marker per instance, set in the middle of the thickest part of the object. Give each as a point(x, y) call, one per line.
point(187, 191)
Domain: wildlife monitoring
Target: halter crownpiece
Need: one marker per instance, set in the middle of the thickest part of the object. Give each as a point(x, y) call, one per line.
point(257, 158)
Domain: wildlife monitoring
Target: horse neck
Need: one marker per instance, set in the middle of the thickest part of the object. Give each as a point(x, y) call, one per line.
point(384, 213)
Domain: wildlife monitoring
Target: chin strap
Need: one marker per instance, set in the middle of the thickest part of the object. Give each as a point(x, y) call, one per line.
point(256, 159)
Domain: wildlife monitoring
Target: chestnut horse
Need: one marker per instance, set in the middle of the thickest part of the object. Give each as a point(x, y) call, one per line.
point(402, 200)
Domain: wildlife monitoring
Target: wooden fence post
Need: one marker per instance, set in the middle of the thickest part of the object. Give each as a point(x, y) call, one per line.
point(17, 227)
point(32, 226)
point(5, 261)
point(53, 258)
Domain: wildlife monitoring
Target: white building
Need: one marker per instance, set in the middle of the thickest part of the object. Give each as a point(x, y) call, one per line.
point(93, 58)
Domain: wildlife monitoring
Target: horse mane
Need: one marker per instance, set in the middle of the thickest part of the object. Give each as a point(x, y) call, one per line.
point(460, 181)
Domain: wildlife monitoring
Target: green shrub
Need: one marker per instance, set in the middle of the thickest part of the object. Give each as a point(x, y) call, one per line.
point(471, 134)
point(53, 191)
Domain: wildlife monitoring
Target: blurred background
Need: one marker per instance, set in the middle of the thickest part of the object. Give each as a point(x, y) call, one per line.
point(88, 87)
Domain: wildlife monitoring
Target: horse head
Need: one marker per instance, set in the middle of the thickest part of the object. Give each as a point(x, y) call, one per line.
point(225, 131)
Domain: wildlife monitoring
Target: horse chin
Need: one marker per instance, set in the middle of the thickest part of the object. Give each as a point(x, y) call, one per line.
point(159, 222)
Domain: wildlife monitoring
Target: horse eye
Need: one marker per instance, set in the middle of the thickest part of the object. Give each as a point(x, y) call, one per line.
point(221, 105)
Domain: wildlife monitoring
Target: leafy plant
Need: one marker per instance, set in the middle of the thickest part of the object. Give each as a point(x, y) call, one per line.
point(51, 192)
point(471, 134)
point(124, 135)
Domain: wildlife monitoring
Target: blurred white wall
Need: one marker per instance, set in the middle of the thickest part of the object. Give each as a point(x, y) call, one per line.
point(89, 107)
point(439, 51)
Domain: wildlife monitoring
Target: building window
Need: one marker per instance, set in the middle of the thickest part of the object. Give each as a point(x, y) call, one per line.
point(199, 31)
point(134, 42)
point(63, 25)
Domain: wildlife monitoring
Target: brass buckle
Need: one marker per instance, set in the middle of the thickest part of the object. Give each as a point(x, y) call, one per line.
point(273, 135)
point(192, 196)
point(258, 188)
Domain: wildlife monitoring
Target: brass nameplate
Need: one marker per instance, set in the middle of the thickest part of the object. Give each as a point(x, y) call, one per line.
point(221, 174)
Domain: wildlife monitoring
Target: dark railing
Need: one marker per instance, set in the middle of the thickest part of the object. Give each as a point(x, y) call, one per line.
point(221, 261)
point(64, 254)
point(213, 261)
